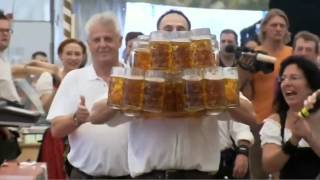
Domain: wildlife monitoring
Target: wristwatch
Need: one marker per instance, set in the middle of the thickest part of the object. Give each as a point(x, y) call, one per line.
point(242, 149)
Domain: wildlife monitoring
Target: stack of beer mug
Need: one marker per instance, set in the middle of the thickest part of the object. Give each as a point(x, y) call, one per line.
point(173, 72)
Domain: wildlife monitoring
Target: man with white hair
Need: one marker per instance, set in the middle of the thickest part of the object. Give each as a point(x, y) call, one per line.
point(96, 151)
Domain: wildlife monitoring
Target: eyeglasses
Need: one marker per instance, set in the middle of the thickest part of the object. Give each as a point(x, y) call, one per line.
point(10, 31)
point(292, 78)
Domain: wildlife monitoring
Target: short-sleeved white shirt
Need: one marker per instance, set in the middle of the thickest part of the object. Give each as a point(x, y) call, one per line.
point(94, 149)
point(180, 143)
point(7, 87)
point(238, 131)
point(231, 128)
point(271, 133)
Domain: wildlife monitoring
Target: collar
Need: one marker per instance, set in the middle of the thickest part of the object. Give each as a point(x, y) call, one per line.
point(91, 73)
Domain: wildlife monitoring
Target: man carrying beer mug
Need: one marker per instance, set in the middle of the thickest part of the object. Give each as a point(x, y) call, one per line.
point(161, 147)
point(96, 151)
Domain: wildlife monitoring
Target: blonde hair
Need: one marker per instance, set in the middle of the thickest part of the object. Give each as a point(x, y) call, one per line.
point(271, 14)
point(105, 18)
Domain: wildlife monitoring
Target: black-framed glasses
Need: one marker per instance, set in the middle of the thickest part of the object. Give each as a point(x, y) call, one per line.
point(10, 31)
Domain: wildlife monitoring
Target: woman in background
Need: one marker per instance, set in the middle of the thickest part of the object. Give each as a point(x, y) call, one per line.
point(285, 148)
point(73, 55)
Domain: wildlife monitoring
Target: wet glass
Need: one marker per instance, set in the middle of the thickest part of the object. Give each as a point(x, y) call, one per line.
point(231, 86)
point(133, 91)
point(161, 52)
point(115, 93)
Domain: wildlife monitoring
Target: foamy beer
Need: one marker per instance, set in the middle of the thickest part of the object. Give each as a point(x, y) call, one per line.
point(133, 91)
point(141, 54)
point(231, 86)
point(193, 90)
point(181, 51)
point(154, 87)
point(173, 96)
point(160, 49)
point(202, 55)
point(214, 90)
point(115, 94)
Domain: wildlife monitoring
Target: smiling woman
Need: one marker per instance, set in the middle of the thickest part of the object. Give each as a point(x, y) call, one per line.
point(285, 148)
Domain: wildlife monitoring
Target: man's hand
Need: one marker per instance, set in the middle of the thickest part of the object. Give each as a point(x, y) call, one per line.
point(241, 166)
point(82, 114)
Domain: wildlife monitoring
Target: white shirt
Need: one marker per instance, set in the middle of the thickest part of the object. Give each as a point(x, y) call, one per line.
point(164, 144)
point(7, 88)
point(238, 131)
point(271, 133)
point(231, 128)
point(44, 84)
point(94, 149)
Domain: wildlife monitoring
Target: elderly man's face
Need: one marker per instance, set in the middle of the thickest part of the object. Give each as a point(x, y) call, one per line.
point(104, 43)
point(173, 22)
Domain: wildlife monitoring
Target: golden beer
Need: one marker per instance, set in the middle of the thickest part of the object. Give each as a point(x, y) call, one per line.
point(178, 90)
point(160, 55)
point(231, 92)
point(231, 86)
point(142, 58)
point(193, 93)
point(202, 55)
point(181, 55)
point(173, 98)
point(115, 92)
point(153, 94)
point(115, 96)
point(214, 96)
point(133, 95)
point(214, 90)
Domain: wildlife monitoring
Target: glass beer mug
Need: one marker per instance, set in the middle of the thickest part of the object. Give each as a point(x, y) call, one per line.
point(133, 91)
point(173, 98)
point(202, 55)
point(231, 86)
point(115, 93)
point(160, 49)
point(214, 90)
point(181, 51)
point(154, 87)
point(193, 90)
point(141, 57)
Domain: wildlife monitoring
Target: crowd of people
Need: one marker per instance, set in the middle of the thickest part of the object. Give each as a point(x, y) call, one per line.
point(263, 137)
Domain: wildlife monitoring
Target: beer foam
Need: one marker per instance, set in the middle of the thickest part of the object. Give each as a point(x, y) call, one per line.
point(191, 78)
point(134, 77)
point(142, 50)
point(230, 76)
point(117, 75)
point(201, 37)
point(181, 40)
point(155, 79)
point(210, 76)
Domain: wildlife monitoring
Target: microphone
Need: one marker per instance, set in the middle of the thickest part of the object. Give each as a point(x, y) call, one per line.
point(252, 61)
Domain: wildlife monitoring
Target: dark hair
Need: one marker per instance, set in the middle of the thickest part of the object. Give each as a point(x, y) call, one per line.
point(64, 43)
point(41, 53)
point(173, 11)
point(307, 36)
point(132, 35)
point(230, 31)
point(3, 16)
point(310, 71)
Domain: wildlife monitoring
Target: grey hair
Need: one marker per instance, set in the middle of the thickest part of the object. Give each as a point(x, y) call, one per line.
point(105, 18)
